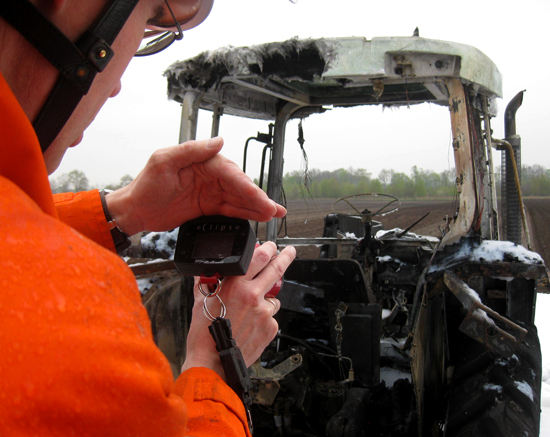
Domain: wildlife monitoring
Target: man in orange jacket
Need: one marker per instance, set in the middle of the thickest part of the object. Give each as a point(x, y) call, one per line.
point(76, 351)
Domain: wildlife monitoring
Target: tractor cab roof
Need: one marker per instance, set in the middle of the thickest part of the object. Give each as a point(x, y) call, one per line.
point(256, 81)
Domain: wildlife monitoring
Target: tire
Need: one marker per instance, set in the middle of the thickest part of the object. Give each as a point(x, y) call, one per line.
point(495, 396)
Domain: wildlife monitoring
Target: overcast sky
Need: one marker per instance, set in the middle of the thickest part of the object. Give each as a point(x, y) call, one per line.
point(514, 35)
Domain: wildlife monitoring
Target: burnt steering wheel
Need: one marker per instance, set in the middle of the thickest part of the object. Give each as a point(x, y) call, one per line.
point(349, 205)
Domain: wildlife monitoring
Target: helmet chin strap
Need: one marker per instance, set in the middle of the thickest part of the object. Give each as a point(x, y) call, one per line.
point(78, 63)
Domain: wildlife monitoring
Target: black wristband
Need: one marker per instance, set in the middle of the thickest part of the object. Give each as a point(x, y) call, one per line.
point(121, 240)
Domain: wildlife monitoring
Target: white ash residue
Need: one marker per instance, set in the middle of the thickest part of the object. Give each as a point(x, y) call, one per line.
point(408, 236)
point(389, 259)
point(487, 251)
point(498, 251)
point(144, 284)
point(494, 387)
point(160, 244)
point(525, 389)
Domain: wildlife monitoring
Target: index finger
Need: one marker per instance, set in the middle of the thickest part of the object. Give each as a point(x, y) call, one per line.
point(274, 270)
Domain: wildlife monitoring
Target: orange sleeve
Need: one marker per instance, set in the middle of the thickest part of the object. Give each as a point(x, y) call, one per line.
point(213, 409)
point(83, 211)
point(78, 356)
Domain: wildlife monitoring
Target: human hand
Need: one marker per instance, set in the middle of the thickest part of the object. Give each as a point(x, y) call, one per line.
point(184, 182)
point(250, 314)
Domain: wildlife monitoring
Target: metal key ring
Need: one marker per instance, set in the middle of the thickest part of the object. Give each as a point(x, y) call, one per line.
point(207, 312)
point(212, 293)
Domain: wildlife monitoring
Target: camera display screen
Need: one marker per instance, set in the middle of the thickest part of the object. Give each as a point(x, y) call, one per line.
point(217, 245)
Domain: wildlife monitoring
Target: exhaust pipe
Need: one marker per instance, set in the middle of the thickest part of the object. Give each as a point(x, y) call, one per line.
point(511, 204)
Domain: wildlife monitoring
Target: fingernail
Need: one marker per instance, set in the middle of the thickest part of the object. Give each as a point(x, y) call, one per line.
point(213, 143)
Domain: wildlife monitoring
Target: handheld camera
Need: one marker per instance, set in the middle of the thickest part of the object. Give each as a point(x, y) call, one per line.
point(214, 245)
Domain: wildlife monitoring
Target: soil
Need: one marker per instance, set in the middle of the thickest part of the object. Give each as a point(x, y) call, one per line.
point(305, 218)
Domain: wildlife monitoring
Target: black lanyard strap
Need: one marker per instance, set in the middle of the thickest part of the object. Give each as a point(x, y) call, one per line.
point(77, 63)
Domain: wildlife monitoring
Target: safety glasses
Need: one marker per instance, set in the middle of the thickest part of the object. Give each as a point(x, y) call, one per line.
point(161, 39)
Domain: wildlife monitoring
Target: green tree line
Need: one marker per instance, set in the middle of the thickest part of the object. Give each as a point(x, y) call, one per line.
point(76, 181)
point(535, 181)
point(419, 183)
point(344, 182)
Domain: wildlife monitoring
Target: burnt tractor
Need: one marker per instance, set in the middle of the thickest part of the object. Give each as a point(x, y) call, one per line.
point(386, 332)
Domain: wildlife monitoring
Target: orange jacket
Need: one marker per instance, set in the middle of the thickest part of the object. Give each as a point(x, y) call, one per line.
point(77, 355)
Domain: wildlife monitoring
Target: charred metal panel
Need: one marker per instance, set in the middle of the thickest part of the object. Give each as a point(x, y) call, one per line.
point(521, 296)
point(465, 181)
point(360, 338)
point(481, 321)
point(343, 277)
point(481, 223)
point(407, 64)
point(429, 363)
point(169, 303)
point(469, 269)
point(491, 187)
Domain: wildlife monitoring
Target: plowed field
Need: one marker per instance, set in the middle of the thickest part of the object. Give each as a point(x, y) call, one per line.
point(305, 218)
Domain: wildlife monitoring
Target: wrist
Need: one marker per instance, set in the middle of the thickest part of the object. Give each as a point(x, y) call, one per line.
point(118, 204)
point(211, 362)
point(121, 240)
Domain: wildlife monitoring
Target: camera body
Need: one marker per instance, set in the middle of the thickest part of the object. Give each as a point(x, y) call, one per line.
point(211, 245)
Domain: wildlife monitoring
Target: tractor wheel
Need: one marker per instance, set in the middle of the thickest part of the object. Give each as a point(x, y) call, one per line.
point(495, 396)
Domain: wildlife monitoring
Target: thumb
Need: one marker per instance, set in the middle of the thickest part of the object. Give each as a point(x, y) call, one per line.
point(195, 151)
point(211, 143)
